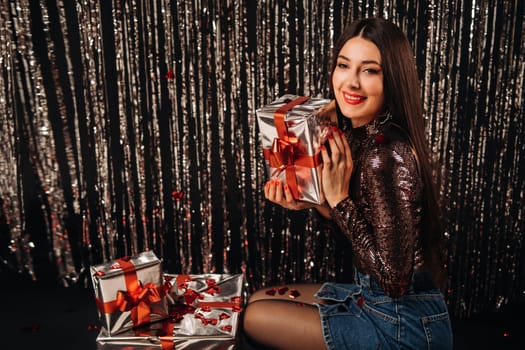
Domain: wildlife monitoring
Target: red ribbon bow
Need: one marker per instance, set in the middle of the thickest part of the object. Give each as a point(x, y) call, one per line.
point(282, 153)
point(138, 302)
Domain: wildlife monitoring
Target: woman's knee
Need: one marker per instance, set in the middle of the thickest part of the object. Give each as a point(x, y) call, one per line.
point(253, 317)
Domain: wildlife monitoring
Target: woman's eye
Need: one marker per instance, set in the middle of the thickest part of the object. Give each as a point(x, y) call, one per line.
point(371, 70)
point(342, 65)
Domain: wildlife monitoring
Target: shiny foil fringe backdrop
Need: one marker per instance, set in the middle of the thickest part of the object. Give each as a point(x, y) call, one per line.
point(130, 126)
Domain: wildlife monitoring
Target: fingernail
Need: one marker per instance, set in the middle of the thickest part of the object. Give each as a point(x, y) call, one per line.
point(340, 132)
point(323, 147)
point(330, 136)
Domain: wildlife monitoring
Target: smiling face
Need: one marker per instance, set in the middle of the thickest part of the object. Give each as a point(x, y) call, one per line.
point(357, 81)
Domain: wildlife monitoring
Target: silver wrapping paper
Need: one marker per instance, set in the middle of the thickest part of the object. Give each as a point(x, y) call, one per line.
point(150, 343)
point(109, 279)
point(302, 139)
point(105, 342)
point(208, 343)
point(131, 340)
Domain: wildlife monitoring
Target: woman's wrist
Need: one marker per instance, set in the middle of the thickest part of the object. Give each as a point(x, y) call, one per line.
point(333, 202)
point(324, 210)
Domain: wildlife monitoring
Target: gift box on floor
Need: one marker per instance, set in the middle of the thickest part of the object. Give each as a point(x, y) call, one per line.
point(291, 132)
point(204, 313)
point(130, 292)
point(157, 335)
point(208, 307)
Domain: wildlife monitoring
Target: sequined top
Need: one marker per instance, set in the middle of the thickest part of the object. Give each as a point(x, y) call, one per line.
point(382, 215)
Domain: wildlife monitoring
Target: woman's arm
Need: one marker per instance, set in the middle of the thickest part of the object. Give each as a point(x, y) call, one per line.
point(384, 235)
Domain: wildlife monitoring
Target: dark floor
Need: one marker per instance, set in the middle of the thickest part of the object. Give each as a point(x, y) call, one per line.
point(37, 316)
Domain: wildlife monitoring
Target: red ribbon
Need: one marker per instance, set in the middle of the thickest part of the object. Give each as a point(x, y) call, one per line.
point(285, 151)
point(136, 299)
point(166, 343)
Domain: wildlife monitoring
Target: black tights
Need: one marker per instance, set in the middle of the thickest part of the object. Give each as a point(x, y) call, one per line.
point(279, 321)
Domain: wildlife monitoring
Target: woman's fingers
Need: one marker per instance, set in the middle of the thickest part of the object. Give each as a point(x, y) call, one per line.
point(327, 161)
point(277, 192)
point(269, 190)
point(338, 151)
point(348, 152)
point(337, 167)
point(288, 196)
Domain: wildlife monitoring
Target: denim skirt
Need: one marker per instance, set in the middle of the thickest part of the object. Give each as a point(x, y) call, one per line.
point(361, 316)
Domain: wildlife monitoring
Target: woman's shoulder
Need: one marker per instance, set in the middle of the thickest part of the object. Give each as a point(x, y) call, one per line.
point(395, 134)
point(391, 147)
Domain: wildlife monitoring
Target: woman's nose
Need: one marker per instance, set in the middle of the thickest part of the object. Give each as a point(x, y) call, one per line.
point(354, 80)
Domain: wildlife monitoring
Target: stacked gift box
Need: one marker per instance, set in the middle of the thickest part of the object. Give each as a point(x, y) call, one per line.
point(141, 307)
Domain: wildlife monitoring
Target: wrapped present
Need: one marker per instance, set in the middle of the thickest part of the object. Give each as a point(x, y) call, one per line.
point(208, 308)
point(204, 313)
point(291, 132)
point(130, 292)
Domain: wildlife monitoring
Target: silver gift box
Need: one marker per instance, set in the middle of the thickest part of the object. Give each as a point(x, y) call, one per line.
point(118, 306)
point(217, 300)
point(291, 143)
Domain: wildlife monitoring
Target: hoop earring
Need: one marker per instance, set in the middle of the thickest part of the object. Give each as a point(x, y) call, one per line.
point(384, 117)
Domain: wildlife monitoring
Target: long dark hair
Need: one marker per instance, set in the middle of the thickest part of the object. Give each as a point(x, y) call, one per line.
point(403, 100)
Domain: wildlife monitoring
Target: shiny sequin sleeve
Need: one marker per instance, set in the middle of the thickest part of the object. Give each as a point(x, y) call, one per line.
point(383, 213)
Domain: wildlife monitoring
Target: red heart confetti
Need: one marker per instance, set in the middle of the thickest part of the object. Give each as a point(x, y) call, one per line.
point(380, 138)
point(294, 293)
point(170, 75)
point(283, 290)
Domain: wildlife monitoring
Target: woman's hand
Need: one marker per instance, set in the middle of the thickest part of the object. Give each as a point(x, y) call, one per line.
point(337, 168)
point(277, 192)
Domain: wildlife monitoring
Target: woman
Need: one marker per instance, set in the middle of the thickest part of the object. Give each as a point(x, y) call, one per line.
point(377, 181)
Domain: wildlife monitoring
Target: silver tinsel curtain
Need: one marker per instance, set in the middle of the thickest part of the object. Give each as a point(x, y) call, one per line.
point(129, 125)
